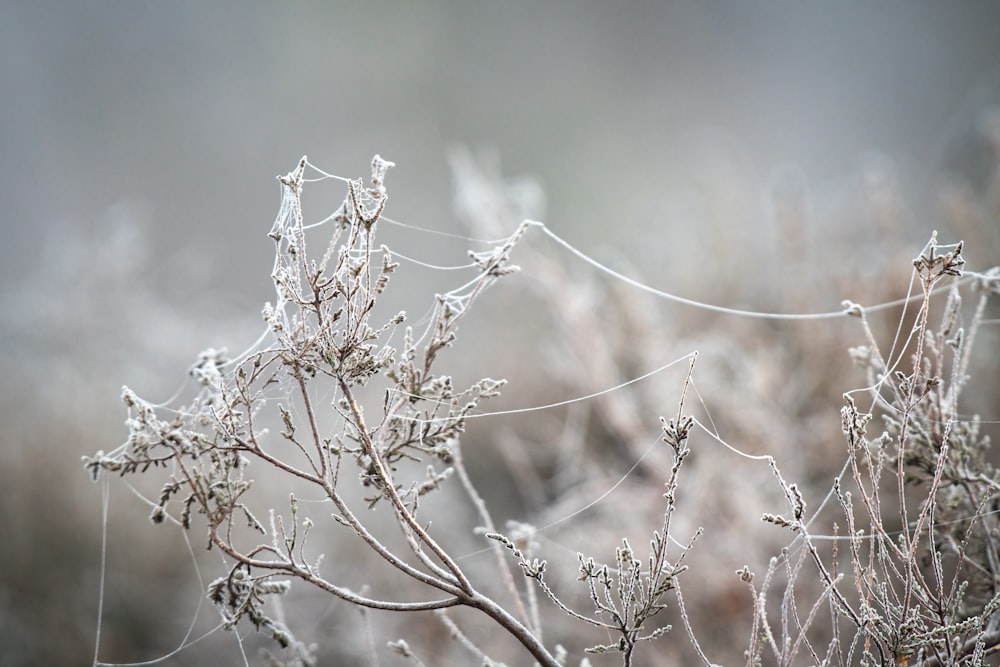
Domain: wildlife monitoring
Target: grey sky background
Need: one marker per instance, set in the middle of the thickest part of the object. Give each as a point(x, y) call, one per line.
point(189, 109)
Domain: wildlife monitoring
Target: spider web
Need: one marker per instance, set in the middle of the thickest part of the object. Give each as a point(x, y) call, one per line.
point(479, 201)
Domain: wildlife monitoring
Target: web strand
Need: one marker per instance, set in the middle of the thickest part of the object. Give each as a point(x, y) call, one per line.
point(105, 501)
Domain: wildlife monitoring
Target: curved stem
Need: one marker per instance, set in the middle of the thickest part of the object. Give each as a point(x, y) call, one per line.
point(343, 593)
point(390, 491)
point(517, 629)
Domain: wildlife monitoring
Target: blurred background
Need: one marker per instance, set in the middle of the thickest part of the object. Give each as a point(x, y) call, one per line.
point(770, 156)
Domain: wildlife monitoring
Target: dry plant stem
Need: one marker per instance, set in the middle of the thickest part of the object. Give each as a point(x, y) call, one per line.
point(468, 595)
point(687, 626)
point(514, 627)
point(345, 594)
point(761, 604)
point(789, 609)
point(835, 641)
point(488, 524)
point(798, 525)
point(288, 565)
point(911, 541)
point(389, 488)
point(918, 355)
point(463, 640)
point(347, 515)
point(311, 417)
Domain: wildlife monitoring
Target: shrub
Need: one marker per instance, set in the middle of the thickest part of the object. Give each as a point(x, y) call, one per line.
point(343, 406)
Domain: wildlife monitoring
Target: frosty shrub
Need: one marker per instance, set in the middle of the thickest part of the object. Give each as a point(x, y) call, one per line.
point(348, 415)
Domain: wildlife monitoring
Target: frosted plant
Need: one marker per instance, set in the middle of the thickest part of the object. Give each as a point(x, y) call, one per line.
point(345, 402)
point(328, 338)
